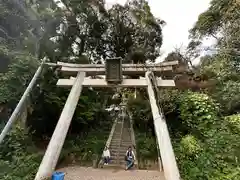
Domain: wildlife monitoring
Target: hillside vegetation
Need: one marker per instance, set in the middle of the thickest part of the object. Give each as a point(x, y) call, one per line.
point(204, 122)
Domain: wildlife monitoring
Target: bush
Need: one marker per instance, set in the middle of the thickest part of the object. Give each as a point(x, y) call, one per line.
point(19, 157)
point(210, 150)
point(146, 147)
point(198, 112)
point(84, 149)
point(234, 123)
point(190, 145)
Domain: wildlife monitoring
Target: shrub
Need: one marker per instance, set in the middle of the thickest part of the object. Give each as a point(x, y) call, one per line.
point(211, 148)
point(198, 112)
point(234, 123)
point(19, 158)
point(146, 147)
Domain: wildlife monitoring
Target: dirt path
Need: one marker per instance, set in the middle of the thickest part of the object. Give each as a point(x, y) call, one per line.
point(84, 173)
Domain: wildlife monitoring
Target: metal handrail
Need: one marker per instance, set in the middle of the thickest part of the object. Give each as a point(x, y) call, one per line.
point(121, 132)
point(133, 137)
point(110, 136)
point(17, 110)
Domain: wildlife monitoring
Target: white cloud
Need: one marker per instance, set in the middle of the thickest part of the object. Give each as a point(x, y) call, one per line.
point(180, 16)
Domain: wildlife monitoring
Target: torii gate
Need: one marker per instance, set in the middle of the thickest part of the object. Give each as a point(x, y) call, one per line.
point(113, 71)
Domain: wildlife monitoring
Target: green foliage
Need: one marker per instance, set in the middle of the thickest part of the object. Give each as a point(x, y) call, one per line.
point(219, 14)
point(224, 72)
point(219, 67)
point(190, 145)
point(83, 149)
point(210, 150)
point(206, 144)
point(146, 146)
point(168, 99)
point(212, 158)
point(16, 79)
point(221, 21)
point(207, 24)
point(198, 112)
point(19, 158)
point(22, 167)
point(141, 113)
point(234, 123)
point(228, 96)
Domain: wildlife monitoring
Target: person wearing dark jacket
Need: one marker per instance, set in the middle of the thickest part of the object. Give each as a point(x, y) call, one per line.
point(130, 157)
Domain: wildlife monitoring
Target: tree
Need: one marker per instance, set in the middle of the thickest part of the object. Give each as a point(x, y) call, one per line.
point(220, 21)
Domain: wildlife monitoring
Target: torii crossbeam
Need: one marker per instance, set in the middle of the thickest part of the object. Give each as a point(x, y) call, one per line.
point(126, 69)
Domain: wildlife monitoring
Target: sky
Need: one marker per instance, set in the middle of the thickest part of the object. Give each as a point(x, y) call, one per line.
point(180, 16)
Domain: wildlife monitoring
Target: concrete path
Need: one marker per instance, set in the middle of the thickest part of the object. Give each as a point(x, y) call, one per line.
point(84, 173)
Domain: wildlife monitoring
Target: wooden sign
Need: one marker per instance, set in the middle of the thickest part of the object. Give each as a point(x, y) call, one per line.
point(113, 70)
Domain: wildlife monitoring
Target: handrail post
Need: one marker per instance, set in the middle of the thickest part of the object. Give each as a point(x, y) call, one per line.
point(171, 171)
point(19, 106)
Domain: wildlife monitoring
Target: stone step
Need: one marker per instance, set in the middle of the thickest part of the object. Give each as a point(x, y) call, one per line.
point(113, 165)
point(122, 140)
point(116, 160)
point(121, 144)
point(126, 142)
point(126, 136)
point(116, 143)
point(115, 139)
point(119, 150)
point(116, 135)
point(122, 137)
point(116, 147)
point(120, 157)
point(115, 155)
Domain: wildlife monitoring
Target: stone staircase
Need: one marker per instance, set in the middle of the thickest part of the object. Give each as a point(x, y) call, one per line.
point(121, 140)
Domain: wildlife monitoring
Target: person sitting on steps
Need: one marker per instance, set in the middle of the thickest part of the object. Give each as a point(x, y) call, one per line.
point(106, 156)
point(130, 157)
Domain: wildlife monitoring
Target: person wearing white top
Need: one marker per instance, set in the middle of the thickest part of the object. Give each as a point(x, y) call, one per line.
point(106, 156)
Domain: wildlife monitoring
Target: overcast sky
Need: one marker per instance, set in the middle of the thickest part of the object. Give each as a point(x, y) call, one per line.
point(180, 16)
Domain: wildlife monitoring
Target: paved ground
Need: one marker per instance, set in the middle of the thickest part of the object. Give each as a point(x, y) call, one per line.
point(83, 173)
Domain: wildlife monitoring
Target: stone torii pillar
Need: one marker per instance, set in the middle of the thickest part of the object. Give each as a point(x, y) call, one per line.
point(169, 163)
point(55, 145)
